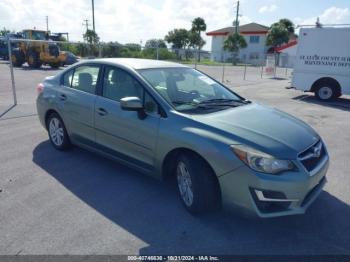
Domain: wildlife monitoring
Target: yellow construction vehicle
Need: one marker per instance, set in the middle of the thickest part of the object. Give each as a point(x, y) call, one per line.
point(39, 52)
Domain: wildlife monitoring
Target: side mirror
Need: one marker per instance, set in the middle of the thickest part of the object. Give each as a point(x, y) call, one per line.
point(131, 104)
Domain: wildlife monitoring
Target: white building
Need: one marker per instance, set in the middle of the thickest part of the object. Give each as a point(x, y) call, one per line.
point(287, 54)
point(255, 36)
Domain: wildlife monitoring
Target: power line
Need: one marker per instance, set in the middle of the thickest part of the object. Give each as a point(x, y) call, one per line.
point(86, 24)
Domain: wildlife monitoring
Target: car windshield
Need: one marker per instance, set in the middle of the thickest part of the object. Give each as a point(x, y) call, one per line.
point(188, 90)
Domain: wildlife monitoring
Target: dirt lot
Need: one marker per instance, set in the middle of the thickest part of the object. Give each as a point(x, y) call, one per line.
point(80, 203)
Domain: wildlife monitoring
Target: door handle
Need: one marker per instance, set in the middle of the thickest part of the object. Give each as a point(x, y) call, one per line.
point(102, 111)
point(63, 97)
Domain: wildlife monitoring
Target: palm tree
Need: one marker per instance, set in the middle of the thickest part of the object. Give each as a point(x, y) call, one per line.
point(288, 25)
point(198, 25)
point(233, 43)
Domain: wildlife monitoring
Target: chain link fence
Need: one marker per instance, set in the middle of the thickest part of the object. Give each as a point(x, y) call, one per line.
point(28, 54)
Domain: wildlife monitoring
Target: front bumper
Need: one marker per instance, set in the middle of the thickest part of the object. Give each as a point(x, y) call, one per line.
point(273, 195)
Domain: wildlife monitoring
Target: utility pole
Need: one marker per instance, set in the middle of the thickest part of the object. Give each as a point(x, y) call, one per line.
point(47, 23)
point(237, 15)
point(86, 24)
point(93, 15)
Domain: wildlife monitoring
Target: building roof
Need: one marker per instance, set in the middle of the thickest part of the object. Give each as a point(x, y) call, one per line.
point(251, 28)
point(285, 46)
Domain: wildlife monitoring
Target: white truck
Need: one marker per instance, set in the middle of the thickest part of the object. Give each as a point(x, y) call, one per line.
point(322, 62)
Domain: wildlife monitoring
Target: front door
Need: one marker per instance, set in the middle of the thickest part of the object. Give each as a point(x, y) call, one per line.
point(122, 133)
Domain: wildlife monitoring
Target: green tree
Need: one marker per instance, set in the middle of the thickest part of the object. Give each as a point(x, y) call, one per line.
point(280, 33)
point(233, 44)
point(81, 50)
point(133, 47)
point(91, 37)
point(111, 49)
point(154, 47)
point(277, 35)
point(196, 40)
point(179, 38)
point(288, 24)
point(199, 25)
point(155, 43)
point(4, 31)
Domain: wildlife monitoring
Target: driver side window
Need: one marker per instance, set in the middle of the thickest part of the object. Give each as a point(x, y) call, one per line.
point(118, 84)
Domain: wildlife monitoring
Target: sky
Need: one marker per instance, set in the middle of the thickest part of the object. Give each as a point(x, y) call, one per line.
point(136, 21)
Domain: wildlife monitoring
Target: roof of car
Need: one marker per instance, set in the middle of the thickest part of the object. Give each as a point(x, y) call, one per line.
point(136, 63)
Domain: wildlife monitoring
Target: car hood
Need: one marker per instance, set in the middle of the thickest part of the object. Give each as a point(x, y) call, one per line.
point(263, 128)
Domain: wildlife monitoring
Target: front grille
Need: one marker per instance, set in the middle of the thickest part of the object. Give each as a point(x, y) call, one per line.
point(310, 158)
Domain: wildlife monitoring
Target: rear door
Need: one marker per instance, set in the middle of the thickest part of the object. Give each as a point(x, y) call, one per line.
point(122, 133)
point(76, 100)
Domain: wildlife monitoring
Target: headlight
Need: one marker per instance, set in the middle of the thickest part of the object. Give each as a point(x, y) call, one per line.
point(260, 161)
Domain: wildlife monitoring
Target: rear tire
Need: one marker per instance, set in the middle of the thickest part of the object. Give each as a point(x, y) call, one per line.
point(55, 65)
point(57, 132)
point(197, 184)
point(327, 89)
point(34, 60)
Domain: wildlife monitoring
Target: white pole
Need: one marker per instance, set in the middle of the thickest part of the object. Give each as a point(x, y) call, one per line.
point(245, 71)
point(223, 73)
point(11, 70)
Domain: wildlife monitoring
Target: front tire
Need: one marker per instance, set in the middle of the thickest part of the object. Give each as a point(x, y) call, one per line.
point(197, 184)
point(17, 58)
point(57, 132)
point(34, 60)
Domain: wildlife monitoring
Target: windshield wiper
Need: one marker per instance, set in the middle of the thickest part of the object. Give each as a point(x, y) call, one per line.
point(195, 105)
point(224, 101)
point(179, 102)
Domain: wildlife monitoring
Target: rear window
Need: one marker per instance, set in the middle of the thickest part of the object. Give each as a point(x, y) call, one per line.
point(83, 78)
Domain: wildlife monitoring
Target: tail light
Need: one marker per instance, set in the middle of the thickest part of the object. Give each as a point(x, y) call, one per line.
point(39, 88)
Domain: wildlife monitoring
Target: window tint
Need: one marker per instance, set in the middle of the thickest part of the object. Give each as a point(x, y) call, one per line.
point(67, 78)
point(119, 84)
point(85, 78)
point(150, 105)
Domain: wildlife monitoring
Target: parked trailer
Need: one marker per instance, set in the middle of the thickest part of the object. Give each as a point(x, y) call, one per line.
point(322, 63)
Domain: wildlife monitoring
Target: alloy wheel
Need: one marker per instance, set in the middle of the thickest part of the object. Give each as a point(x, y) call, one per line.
point(56, 131)
point(184, 183)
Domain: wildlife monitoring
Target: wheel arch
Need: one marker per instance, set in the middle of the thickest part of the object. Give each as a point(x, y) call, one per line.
point(47, 115)
point(169, 163)
point(326, 80)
